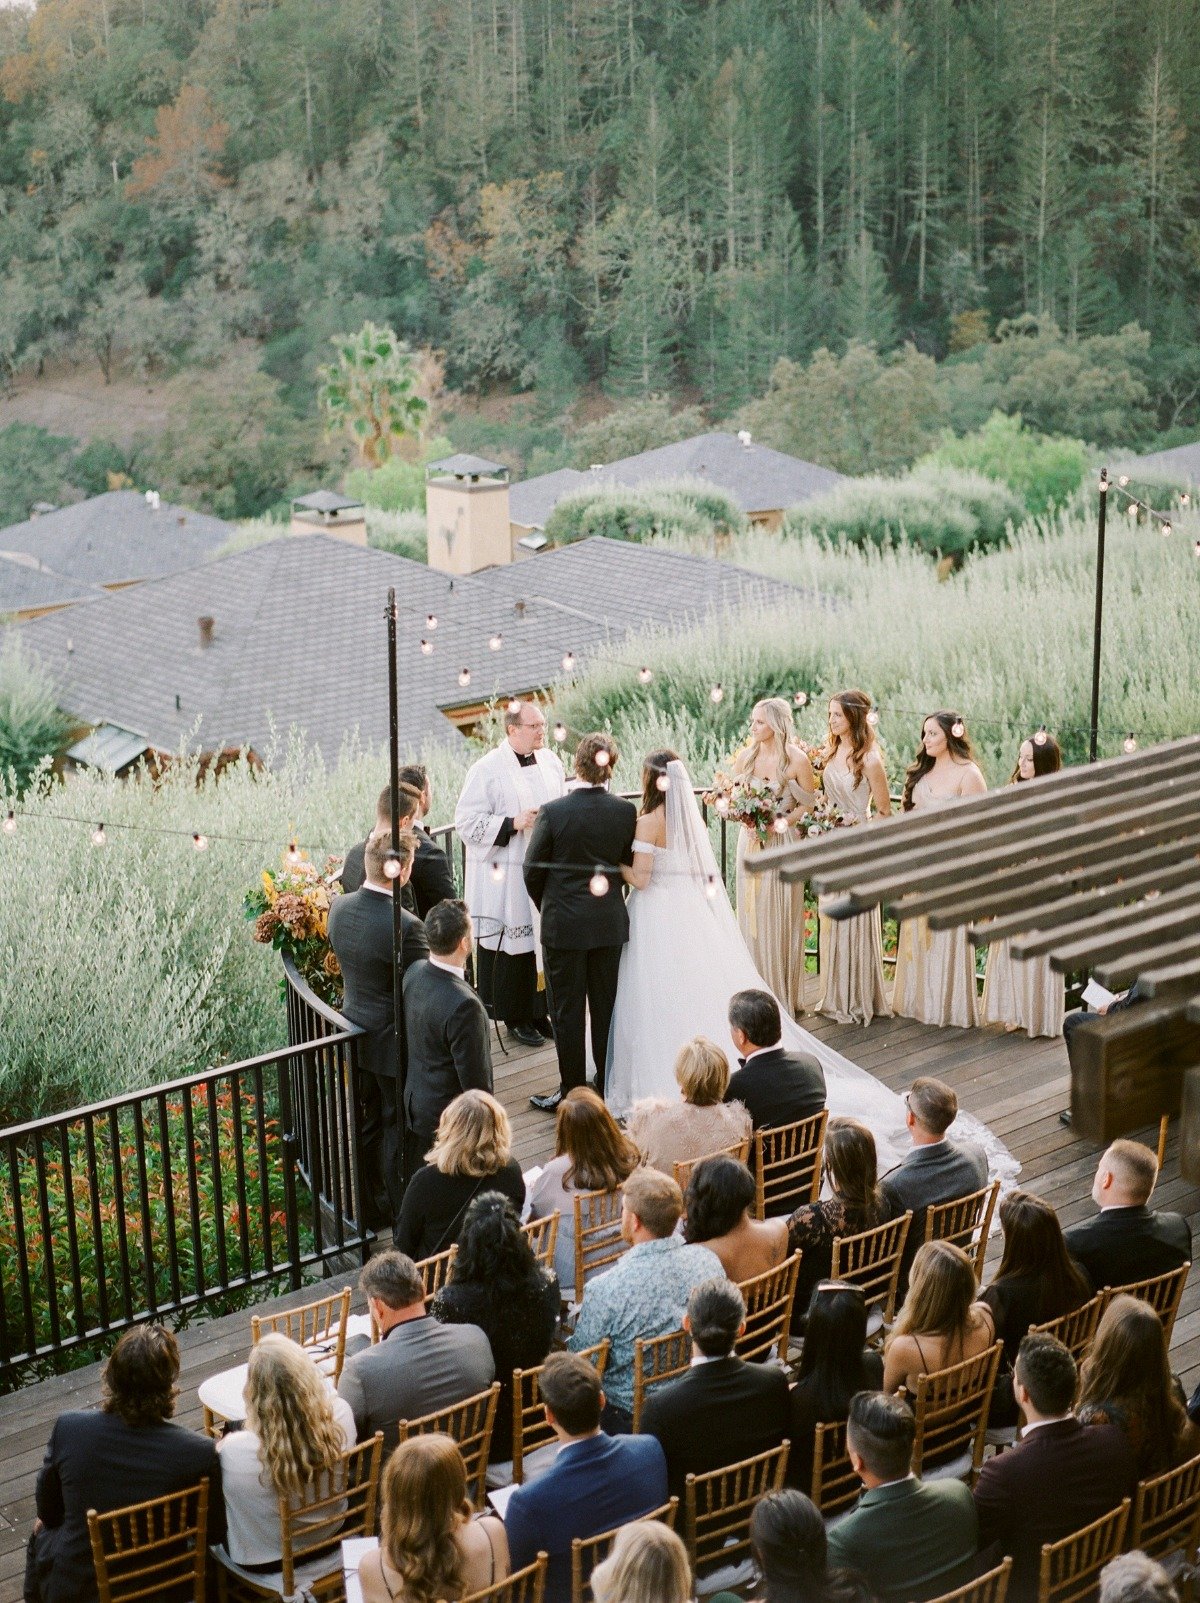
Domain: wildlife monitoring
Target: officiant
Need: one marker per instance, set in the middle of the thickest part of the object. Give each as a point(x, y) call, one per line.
point(495, 813)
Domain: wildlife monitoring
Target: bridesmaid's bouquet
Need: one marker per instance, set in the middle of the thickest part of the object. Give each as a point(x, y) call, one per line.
point(825, 815)
point(749, 801)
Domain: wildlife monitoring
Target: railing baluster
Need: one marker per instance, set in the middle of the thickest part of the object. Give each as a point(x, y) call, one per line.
point(19, 1241)
point(239, 1163)
point(143, 1178)
point(64, 1147)
point(214, 1158)
point(309, 1065)
point(89, 1140)
point(288, 1147)
point(49, 1266)
point(199, 1272)
point(331, 1095)
point(118, 1163)
point(168, 1179)
point(264, 1173)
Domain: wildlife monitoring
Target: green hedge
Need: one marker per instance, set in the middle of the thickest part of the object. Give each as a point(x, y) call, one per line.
point(942, 511)
point(1045, 470)
point(683, 509)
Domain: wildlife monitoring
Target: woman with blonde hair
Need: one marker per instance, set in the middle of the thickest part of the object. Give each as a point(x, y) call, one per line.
point(770, 911)
point(431, 1545)
point(942, 1321)
point(855, 780)
point(648, 1564)
point(296, 1430)
point(591, 1153)
point(471, 1153)
point(667, 1133)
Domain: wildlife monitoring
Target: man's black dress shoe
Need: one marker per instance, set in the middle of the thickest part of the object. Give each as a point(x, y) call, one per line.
point(545, 1029)
point(526, 1034)
point(546, 1104)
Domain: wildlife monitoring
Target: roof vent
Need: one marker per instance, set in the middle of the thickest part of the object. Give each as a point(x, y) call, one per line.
point(207, 629)
point(519, 608)
point(744, 439)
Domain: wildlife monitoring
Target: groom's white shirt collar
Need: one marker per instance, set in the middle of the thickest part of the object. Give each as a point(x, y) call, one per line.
point(450, 968)
point(759, 1050)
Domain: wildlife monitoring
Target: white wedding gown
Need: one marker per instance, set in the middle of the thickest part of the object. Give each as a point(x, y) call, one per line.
point(686, 957)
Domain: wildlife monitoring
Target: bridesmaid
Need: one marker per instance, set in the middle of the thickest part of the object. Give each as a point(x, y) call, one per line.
point(770, 911)
point(935, 969)
point(1025, 996)
point(853, 777)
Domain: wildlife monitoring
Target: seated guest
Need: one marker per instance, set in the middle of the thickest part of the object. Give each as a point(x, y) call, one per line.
point(1126, 1240)
point(497, 1284)
point(648, 1564)
point(720, 1195)
point(855, 1203)
point(942, 1321)
point(909, 1539)
point(408, 803)
point(937, 1169)
point(471, 1153)
point(776, 1085)
point(835, 1364)
point(1135, 1578)
point(591, 1154)
point(645, 1292)
point(1059, 1477)
point(596, 1483)
point(1037, 1280)
point(295, 1431)
point(667, 1133)
point(723, 1409)
point(432, 877)
point(789, 1544)
point(1127, 1381)
point(418, 1364)
point(125, 1452)
point(432, 1544)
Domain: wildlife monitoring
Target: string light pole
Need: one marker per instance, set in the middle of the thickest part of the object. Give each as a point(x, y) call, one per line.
point(1097, 625)
point(392, 869)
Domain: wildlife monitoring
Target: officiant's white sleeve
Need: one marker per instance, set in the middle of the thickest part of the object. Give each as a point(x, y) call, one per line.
point(475, 820)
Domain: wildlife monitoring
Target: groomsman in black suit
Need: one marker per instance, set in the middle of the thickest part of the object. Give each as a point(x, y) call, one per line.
point(582, 934)
point(360, 932)
point(432, 876)
point(449, 1046)
point(408, 804)
point(777, 1086)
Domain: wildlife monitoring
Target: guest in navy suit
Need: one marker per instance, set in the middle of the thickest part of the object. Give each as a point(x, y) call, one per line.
point(597, 1482)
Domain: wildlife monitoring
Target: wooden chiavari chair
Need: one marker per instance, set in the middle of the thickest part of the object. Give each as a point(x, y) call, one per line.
point(966, 1222)
point(1070, 1569)
point(989, 1588)
point(787, 1165)
point(871, 1260)
point(768, 1298)
point(951, 1411)
point(587, 1552)
point(1166, 1520)
point(683, 1169)
point(523, 1586)
point(598, 1241)
point(1075, 1330)
point(657, 1359)
point(1162, 1292)
point(718, 1506)
point(153, 1548)
point(531, 1433)
point(470, 1423)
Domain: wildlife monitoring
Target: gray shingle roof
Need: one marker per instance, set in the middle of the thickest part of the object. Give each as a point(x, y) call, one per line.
point(300, 637)
point(326, 501)
point(531, 501)
point(465, 465)
point(25, 584)
point(1181, 464)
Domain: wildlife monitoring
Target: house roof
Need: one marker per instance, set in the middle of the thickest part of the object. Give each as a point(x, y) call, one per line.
point(300, 637)
point(112, 538)
point(463, 465)
point(108, 747)
point(325, 501)
point(756, 477)
point(1181, 464)
point(25, 584)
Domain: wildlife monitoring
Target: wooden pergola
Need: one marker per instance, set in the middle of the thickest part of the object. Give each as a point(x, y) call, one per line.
point(1096, 867)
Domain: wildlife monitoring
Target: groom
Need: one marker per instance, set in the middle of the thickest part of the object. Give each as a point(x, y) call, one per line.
point(582, 933)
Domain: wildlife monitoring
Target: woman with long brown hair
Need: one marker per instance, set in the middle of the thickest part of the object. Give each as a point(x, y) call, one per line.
point(431, 1546)
point(1037, 1280)
point(942, 1321)
point(591, 1154)
point(1126, 1380)
point(935, 969)
point(854, 1204)
point(1028, 995)
point(854, 778)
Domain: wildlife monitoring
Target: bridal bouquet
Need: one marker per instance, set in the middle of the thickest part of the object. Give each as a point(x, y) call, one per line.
point(749, 801)
point(289, 910)
point(824, 815)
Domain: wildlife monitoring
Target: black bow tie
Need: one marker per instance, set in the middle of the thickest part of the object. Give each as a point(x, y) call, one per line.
point(529, 760)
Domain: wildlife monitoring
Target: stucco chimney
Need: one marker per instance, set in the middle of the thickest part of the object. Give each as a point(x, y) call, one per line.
point(207, 629)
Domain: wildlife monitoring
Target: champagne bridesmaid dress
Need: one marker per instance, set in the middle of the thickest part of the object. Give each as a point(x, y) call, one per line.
point(935, 969)
point(1025, 996)
point(852, 990)
point(770, 914)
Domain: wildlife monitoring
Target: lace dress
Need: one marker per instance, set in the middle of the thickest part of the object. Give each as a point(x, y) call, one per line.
point(852, 990)
point(935, 969)
point(771, 915)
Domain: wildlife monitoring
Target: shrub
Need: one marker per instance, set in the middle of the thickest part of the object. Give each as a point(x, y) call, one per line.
point(401, 533)
point(638, 426)
point(399, 485)
point(31, 726)
point(942, 511)
point(1044, 470)
point(673, 509)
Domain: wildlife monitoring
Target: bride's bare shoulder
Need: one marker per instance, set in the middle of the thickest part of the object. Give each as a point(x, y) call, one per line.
point(652, 827)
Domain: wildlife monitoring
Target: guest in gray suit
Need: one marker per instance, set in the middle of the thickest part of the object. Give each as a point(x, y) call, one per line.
point(937, 1169)
point(418, 1365)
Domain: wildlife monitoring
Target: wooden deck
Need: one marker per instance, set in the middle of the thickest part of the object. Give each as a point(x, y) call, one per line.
point(1015, 1086)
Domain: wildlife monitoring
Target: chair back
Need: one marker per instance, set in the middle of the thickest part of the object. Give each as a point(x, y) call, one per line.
point(1070, 1569)
point(522, 1586)
point(768, 1298)
point(989, 1588)
point(1166, 1513)
point(787, 1165)
point(966, 1222)
point(683, 1169)
point(952, 1409)
point(1162, 1292)
point(542, 1236)
point(718, 1506)
point(657, 1359)
point(319, 1326)
point(435, 1271)
point(871, 1260)
point(835, 1486)
point(340, 1503)
point(1075, 1330)
point(588, 1551)
point(598, 1241)
point(530, 1430)
point(153, 1548)
point(470, 1423)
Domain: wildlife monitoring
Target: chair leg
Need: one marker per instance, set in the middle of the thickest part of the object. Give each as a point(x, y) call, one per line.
point(1162, 1138)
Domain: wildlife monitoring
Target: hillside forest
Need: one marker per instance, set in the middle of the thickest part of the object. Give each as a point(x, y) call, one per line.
point(985, 202)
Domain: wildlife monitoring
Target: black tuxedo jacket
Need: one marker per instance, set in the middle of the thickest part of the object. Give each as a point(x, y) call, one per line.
point(431, 881)
point(587, 828)
point(1127, 1244)
point(360, 932)
point(779, 1087)
point(449, 1048)
point(716, 1414)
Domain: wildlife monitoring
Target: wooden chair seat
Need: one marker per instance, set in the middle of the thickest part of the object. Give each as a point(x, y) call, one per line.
point(657, 1359)
point(542, 1236)
point(1166, 1514)
point(683, 1169)
point(835, 1486)
point(471, 1424)
point(718, 1506)
point(966, 1222)
point(1162, 1292)
point(871, 1260)
point(1076, 1330)
point(522, 1586)
point(151, 1549)
point(951, 1411)
point(989, 1588)
point(598, 1241)
point(787, 1166)
point(768, 1298)
point(530, 1430)
point(587, 1552)
point(1070, 1569)
point(435, 1270)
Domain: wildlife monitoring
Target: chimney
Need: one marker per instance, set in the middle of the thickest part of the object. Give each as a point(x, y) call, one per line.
point(207, 628)
point(466, 514)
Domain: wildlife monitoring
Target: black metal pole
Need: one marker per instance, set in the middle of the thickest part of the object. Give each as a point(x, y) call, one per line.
point(1096, 627)
point(397, 889)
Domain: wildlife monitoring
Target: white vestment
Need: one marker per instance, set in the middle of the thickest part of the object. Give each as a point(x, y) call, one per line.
point(496, 788)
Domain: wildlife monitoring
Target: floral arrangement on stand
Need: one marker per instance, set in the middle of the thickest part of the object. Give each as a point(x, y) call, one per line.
point(289, 910)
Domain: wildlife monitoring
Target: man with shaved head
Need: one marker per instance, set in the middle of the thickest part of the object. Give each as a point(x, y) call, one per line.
point(1128, 1240)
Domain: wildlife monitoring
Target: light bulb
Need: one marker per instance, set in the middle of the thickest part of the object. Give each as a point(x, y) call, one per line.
point(430, 622)
point(1041, 737)
point(1196, 548)
point(873, 717)
point(801, 698)
point(464, 677)
point(1129, 743)
point(710, 888)
point(10, 823)
point(99, 837)
point(427, 648)
point(496, 642)
point(199, 841)
point(958, 729)
point(662, 783)
point(391, 866)
point(514, 705)
point(568, 661)
point(602, 759)
point(497, 872)
point(780, 826)
point(717, 694)
point(1132, 510)
point(560, 733)
point(292, 855)
point(1184, 499)
point(723, 806)
point(645, 675)
point(1166, 530)
point(1122, 479)
point(598, 884)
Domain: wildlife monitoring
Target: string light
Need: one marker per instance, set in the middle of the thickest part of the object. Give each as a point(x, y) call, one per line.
point(427, 648)
point(645, 675)
point(958, 729)
point(662, 783)
point(199, 841)
point(430, 622)
point(1122, 479)
point(717, 694)
point(598, 884)
point(99, 836)
point(10, 823)
point(602, 758)
point(710, 889)
point(568, 661)
point(801, 698)
point(497, 872)
point(292, 855)
point(1132, 510)
point(513, 704)
point(496, 642)
point(1042, 736)
point(1184, 498)
point(1129, 744)
point(1166, 529)
point(464, 677)
point(873, 717)
point(780, 826)
point(1196, 549)
point(391, 866)
point(560, 733)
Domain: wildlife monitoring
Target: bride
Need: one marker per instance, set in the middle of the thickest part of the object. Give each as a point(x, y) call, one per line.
point(686, 957)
